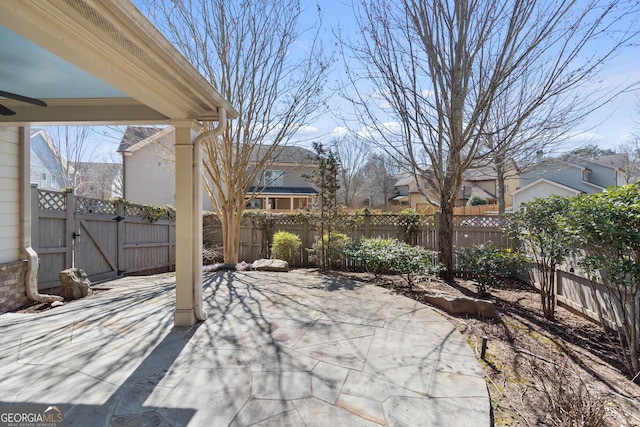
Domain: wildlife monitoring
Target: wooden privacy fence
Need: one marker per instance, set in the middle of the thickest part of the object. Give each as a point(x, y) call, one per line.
point(105, 238)
point(256, 231)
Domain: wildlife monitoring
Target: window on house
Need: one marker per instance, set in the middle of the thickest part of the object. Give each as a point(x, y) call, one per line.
point(44, 177)
point(585, 174)
point(53, 179)
point(273, 178)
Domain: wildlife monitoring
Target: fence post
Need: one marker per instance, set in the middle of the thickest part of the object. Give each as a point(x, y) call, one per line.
point(172, 243)
point(35, 217)
point(436, 230)
point(367, 223)
point(70, 206)
point(121, 237)
point(306, 230)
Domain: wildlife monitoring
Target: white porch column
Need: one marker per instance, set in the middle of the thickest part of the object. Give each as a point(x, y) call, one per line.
point(291, 203)
point(188, 226)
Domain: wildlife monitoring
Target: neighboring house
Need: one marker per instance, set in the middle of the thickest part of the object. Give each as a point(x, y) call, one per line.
point(149, 174)
point(283, 186)
point(481, 182)
point(98, 180)
point(570, 176)
point(47, 164)
point(407, 193)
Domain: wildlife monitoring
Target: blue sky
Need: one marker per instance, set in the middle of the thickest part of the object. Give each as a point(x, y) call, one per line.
point(608, 127)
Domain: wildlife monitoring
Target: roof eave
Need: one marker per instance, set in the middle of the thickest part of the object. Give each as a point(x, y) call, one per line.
point(114, 42)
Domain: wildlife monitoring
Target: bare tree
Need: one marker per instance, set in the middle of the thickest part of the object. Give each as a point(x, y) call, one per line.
point(438, 69)
point(73, 148)
point(632, 150)
point(352, 153)
point(380, 173)
point(271, 70)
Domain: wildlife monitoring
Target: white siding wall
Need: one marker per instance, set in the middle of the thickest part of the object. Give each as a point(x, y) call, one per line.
point(539, 190)
point(9, 195)
point(151, 178)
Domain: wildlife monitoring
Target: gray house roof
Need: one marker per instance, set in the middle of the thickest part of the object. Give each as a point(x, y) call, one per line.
point(283, 190)
point(134, 135)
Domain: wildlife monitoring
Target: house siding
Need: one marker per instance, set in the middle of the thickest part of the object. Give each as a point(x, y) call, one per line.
point(602, 175)
point(9, 195)
point(540, 190)
point(291, 176)
point(12, 269)
point(45, 162)
point(568, 175)
point(150, 177)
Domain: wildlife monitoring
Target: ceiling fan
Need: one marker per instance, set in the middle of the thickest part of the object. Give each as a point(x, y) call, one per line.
point(5, 111)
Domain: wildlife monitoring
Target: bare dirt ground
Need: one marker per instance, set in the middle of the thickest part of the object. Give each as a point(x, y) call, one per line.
point(538, 372)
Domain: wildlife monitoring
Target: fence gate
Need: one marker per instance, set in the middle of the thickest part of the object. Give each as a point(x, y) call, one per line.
point(104, 238)
point(96, 238)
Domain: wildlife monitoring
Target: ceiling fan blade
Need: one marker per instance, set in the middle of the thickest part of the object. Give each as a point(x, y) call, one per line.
point(21, 98)
point(4, 111)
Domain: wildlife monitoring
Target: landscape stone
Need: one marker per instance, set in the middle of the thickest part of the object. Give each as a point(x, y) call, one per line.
point(270, 265)
point(74, 284)
point(463, 305)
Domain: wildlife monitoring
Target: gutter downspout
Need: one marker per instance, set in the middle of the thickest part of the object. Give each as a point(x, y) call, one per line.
point(197, 211)
point(31, 280)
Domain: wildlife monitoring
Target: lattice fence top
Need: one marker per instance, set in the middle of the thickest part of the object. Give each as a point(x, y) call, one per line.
point(398, 220)
point(152, 213)
point(95, 206)
point(480, 221)
point(52, 200)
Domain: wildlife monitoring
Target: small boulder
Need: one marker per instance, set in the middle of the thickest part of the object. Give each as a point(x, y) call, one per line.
point(270, 265)
point(463, 305)
point(74, 284)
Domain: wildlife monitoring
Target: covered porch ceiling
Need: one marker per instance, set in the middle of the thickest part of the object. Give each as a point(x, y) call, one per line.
point(94, 61)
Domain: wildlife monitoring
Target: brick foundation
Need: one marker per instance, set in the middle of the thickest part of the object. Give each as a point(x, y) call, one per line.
point(12, 291)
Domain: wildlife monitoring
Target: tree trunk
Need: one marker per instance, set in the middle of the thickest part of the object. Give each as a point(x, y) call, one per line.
point(501, 190)
point(445, 239)
point(230, 235)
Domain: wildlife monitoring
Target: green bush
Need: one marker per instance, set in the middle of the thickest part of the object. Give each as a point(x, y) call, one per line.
point(606, 228)
point(327, 252)
point(539, 227)
point(477, 201)
point(286, 246)
point(490, 266)
point(392, 256)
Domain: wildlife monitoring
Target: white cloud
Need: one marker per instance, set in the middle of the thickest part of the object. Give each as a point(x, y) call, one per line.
point(340, 131)
point(308, 129)
point(625, 138)
point(388, 129)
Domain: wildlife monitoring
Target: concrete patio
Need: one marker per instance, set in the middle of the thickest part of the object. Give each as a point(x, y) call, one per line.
point(278, 349)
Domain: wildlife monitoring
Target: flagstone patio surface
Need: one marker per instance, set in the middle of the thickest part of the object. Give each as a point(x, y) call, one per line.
point(278, 349)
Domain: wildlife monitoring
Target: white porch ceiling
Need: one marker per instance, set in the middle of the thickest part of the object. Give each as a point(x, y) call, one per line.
point(96, 61)
point(30, 70)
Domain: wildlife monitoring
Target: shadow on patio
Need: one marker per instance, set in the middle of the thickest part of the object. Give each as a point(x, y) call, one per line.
point(291, 348)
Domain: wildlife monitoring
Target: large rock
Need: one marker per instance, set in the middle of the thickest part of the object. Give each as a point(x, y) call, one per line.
point(463, 305)
point(270, 265)
point(74, 284)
